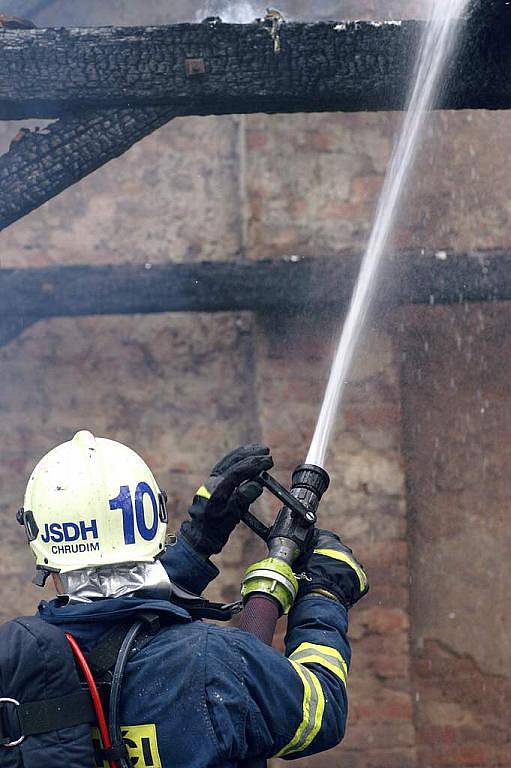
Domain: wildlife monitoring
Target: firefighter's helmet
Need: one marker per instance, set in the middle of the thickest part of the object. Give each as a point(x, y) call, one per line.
point(91, 502)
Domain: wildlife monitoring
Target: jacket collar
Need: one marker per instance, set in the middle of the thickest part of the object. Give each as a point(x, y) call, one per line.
point(108, 610)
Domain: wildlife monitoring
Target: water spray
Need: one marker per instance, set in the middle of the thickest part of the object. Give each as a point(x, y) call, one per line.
point(288, 537)
point(270, 586)
point(438, 45)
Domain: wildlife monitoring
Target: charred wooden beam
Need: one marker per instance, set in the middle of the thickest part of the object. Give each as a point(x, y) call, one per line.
point(40, 164)
point(279, 285)
point(216, 68)
point(225, 68)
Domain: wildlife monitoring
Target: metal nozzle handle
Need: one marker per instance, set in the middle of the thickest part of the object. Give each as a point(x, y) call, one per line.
point(287, 498)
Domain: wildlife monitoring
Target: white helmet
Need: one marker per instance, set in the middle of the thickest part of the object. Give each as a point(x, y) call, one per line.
point(92, 502)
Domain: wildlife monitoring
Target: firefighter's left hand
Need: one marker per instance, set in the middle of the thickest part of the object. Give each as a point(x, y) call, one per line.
point(333, 570)
point(218, 504)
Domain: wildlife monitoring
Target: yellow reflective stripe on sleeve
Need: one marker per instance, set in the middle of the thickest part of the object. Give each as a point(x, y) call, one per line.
point(345, 558)
point(324, 655)
point(313, 708)
point(203, 492)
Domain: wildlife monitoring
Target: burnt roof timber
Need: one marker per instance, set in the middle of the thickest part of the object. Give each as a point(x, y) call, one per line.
point(348, 66)
point(44, 163)
point(286, 284)
point(41, 164)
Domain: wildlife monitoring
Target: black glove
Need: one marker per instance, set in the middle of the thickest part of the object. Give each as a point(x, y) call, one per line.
point(218, 504)
point(332, 569)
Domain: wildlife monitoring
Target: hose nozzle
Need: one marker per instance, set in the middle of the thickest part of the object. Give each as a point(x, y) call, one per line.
point(293, 527)
point(289, 536)
point(308, 485)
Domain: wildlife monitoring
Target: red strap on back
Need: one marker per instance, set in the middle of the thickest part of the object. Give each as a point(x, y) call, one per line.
point(96, 700)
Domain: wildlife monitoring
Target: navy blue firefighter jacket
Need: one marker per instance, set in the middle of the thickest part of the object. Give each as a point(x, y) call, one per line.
point(204, 696)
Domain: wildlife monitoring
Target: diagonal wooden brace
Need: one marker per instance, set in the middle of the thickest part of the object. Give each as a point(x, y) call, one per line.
point(40, 164)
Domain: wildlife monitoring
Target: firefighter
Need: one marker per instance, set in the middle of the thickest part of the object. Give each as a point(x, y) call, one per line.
point(194, 694)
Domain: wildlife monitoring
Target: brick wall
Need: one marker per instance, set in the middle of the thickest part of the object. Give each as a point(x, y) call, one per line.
point(366, 503)
point(419, 481)
point(458, 420)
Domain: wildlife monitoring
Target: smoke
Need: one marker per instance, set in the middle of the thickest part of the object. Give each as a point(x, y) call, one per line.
point(241, 12)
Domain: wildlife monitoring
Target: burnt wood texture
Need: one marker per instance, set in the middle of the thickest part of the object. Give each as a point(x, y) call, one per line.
point(40, 164)
point(280, 285)
point(216, 68)
point(224, 68)
point(112, 86)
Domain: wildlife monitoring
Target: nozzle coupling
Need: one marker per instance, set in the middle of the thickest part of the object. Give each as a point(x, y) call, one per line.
point(274, 578)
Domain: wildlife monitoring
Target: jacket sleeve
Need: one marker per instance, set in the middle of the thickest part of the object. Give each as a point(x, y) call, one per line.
point(294, 704)
point(187, 568)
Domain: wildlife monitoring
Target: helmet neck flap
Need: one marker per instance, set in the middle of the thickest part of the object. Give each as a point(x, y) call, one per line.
point(148, 580)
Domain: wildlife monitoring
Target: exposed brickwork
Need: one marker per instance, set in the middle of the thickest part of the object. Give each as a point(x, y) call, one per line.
point(366, 503)
point(458, 425)
point(180, 417)
point(182, 389)
point(313, 181)
point(461, 705)
point(172, 196)
point(459, 196)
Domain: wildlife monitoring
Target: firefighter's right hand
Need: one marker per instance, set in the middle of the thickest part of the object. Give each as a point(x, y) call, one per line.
point(218, 505)
point(333, 570)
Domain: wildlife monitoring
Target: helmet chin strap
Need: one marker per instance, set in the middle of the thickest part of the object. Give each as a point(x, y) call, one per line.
point(120, 580)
